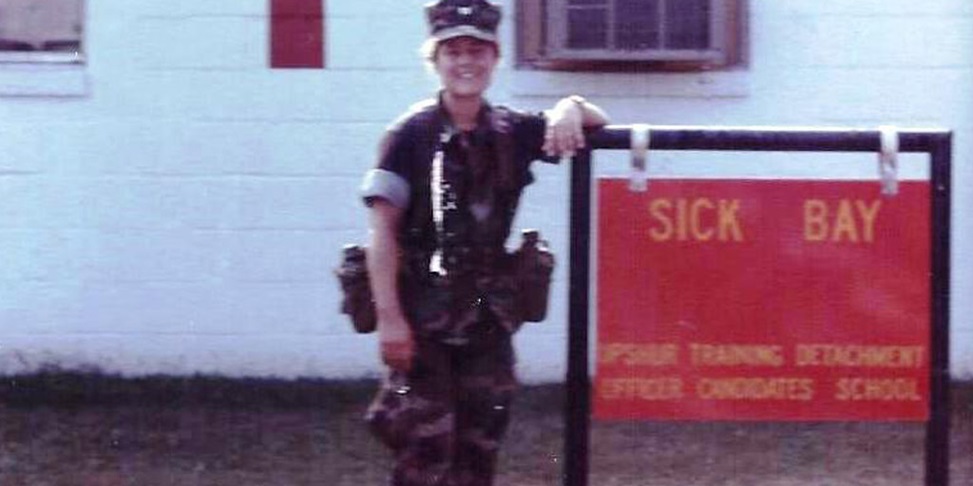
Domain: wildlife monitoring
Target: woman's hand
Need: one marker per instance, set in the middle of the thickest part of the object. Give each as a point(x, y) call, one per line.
point(396, 343)
point(564, 135)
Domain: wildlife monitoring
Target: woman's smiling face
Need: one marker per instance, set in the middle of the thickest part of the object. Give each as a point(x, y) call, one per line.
point(465, 66)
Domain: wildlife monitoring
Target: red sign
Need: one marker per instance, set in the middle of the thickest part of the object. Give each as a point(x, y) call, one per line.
point(763, 300)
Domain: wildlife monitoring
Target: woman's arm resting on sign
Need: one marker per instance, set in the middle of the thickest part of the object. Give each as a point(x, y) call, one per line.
point(566, 122)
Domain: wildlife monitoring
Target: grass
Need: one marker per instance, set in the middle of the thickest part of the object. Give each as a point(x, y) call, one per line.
point(88, 429)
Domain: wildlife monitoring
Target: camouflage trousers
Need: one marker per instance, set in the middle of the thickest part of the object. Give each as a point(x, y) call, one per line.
point(444, 420)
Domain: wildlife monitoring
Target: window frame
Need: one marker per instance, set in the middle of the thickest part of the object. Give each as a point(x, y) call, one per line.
point(53, 57)
point(542, 33)
point(43, 57)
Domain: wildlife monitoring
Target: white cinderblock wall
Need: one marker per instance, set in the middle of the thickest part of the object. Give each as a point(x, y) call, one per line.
point(176, 206)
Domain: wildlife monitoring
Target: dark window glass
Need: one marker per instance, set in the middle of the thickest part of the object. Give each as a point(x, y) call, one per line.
point(637, 24)
point(687, 24)
point(588, 28)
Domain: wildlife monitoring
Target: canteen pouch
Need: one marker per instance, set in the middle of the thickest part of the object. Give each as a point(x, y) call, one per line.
point(535, 264)
point(356, 289)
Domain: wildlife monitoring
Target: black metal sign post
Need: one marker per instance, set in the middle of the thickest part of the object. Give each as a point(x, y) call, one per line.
point(936, 143)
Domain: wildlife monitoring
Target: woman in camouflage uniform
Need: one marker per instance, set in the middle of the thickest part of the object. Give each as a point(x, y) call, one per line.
point(442, 200)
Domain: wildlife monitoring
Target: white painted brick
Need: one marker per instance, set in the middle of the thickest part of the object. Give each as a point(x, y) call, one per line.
point(40, 81)
point(292, 148)
point(148, 308)
point(376, 8)
point(138, 147)
point(48, 255)
point(762, 109)
point(21, 146)
point(132, 95)
point(154, 256)
point(278, 256)
point(204, 42)
point(295, 203)
point(286, 308)
point(851, 41)
point(39, 201)
point(197, 8)
point(348, 96)
point(270, 148)
point(111, 32)
point(224, 148)
point(377, 42)
point(345, 149)
point(863, 7)
point(157, 203)
point(171, 308)
point(541, 354)
point(34, 306)
point(544, 203)
point(260, 95)
point(724, 84)
point(114, 95)
point(148, 148)
point(895, 95)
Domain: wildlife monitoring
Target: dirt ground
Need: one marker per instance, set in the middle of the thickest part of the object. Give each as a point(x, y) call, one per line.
point(90, 430)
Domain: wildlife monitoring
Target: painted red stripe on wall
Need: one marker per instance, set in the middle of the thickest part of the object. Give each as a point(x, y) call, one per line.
point(297, 33)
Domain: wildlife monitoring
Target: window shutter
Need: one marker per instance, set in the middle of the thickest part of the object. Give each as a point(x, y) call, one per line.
point(297, 33)
point(530, 28)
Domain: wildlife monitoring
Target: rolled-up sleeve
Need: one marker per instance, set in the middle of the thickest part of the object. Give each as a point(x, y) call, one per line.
point(385, 184)
point(529, 131)
point(389, 180)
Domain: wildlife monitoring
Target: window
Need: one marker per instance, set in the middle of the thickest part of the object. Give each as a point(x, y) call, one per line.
point(663, 34)
point(41, 31)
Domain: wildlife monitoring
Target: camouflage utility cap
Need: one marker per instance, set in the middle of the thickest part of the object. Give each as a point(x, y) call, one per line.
point(463, 18)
